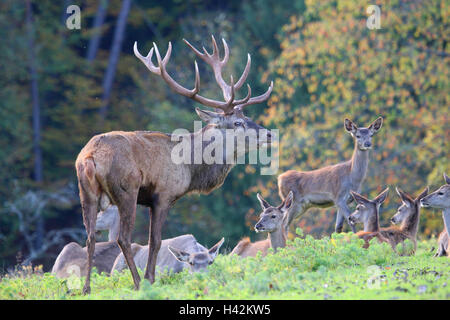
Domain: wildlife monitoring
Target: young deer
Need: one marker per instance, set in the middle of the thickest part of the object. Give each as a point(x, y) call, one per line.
point(175, 255)
point(440, 199)
point(331, 185)
point(74, 256)
point(407, 215)
point(272, 220)
point(367, 212)
point(130, 168)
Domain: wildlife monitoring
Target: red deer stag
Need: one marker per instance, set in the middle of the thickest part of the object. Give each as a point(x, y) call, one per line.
point(440, 199)
point(367, 212)
point(331, 185)
point(129, 168)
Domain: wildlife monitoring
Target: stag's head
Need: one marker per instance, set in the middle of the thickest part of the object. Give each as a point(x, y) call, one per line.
point(363, 136)
point(439, 199)
point(366, 209)
point(409, 206)
point(197, 261)
point(273, 218)
point(230, 114)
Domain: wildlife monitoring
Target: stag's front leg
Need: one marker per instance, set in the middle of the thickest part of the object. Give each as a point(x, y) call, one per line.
point(127, 211)
point(157, 218)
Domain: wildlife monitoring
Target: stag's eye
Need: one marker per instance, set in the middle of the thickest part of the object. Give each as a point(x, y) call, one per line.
point(238, 124)
point(273, 216)
point(358, 136)
point(210, 262)
point(440, 193)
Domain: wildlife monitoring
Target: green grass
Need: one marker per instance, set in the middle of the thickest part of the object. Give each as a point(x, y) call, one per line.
point(327, 268)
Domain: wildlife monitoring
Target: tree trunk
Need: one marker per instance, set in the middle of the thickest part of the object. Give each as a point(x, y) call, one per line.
point(94, 42)
point(114, 56)
point(36, 114)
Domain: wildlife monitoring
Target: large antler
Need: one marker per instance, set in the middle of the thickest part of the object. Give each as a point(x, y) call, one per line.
point(217, 64)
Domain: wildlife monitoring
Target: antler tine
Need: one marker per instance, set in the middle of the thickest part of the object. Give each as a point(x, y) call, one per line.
point(245, 73)
point(226, 54)
point(247, 97)
point(257, 99)
point(147, 61)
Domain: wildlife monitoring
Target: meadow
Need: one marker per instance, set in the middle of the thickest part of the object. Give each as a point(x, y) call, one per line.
point(335, 267)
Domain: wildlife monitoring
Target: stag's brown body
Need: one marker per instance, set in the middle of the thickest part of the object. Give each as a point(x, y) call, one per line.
point(129, 168)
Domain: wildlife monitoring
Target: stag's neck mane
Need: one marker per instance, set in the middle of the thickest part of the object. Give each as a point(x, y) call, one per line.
point(206, 177)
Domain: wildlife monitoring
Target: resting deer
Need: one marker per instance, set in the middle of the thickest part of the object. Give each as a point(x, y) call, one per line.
point(272, 220)
point(407, 215)
point(367, 212)
point(331, 185)
point(440, 199)
point(73, 257)
point(175, 255)
point(129, 168)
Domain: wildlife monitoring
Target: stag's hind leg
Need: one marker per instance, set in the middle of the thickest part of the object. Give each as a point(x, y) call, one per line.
point(89, 198)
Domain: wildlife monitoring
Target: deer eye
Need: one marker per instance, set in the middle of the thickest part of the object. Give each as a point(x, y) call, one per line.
point(210, 262)
point(358, 136)
point(440, 193)
point(237, 123)
point(273, 216)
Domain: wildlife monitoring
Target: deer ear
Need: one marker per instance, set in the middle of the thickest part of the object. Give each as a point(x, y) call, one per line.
point(215, 249)
point(376, 125)
point(423, 194)
point(382, 196)
point(264, 203)
point(208, 116)
point(180, 255)
point(406, 199)
point(350, 126)
point(359, 198)
point(446, 178)
point(287, 203)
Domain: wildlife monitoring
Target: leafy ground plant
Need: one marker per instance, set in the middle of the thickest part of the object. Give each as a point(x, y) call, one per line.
point(335, 267)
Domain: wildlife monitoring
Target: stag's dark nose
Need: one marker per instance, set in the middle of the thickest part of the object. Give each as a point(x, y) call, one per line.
point(393, 220)
point(367, 144)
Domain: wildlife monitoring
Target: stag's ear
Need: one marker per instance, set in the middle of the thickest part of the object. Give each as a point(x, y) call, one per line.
point(208, 116)
point(446, 178)
point(376, 125)
point(180, 255)
point(406, 199)
point(350, 126)
point(287, 203)
point(382, 196)
point(359, 198)
point(423, 194)
point(264, 203)
point(215, 249)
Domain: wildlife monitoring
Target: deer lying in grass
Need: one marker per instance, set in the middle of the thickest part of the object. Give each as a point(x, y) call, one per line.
point(73, 257)
point(175, 255)
point(407, 216)
point(367, 212)
point(331, 185)
point(440, 199)
point(272, 220)
point(130, 168)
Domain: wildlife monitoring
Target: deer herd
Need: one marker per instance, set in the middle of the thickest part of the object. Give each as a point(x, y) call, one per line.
point(118, 170)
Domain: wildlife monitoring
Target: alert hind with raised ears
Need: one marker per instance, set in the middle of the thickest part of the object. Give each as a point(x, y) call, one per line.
point(330, 186)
